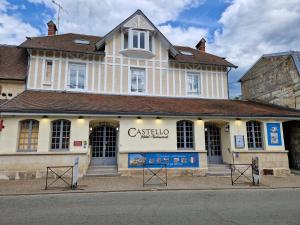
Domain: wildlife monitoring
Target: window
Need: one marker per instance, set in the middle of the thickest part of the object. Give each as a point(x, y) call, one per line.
point(60, 135)
point(28, 137)
point(254, 135)
point(48, 72)
point(185, 134)
point(193, 84)
point(137, 39)
point(138, 80)
point(77, 74)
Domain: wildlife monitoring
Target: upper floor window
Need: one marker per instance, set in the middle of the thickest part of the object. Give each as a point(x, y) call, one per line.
point(60, 135)
point(77, 76)
point(28, 136)
point(48, 72)
point(254, 135)
point(193, 84)
point(138, 80)
point(185, 134)
point(137, 39)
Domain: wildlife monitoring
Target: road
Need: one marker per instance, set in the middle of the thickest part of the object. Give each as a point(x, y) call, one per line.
point(226, 207)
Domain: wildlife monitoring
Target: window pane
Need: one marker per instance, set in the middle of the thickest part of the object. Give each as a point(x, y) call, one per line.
point(77, 73)
point(81, 77)
point(73, 76)
point(150, 43)
point(142, 40)
point(138, 80)
point(48, 73)
point(125, 40)
point(185, 134)
point(193, 84)
point(135, 40)
point(60, 135)
point(28, 137)
point(254, 135)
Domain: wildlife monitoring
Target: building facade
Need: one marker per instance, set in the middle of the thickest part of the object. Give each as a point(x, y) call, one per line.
point(130, 98)
point(275, 78)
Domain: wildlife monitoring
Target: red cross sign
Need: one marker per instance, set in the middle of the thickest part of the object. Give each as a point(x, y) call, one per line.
point(1, 125)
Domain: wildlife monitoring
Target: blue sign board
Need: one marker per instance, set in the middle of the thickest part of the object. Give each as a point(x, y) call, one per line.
point(274, 134)
point(171, 159)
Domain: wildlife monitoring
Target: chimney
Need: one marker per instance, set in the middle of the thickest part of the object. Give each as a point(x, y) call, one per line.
point(51, 28)
point(201, 45)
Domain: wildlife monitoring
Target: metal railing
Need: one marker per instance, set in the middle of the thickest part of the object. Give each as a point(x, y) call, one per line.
point(58, 175)
point(241, 172)
point(155, 170)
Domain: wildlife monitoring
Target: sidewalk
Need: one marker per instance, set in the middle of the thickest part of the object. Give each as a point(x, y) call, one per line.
point(109, 184)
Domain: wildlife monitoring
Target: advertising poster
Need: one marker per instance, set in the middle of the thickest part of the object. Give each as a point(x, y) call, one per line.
point(172, 159)
point(274, 133)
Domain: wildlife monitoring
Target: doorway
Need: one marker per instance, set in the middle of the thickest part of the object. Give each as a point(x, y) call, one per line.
point(103, 141)
point(213, 144)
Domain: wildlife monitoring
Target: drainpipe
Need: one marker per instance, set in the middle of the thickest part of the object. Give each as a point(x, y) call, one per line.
point(228, 81)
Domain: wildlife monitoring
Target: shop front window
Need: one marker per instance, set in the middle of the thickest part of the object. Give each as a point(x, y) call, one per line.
point(185, 134)
point(28, 136)
point(254, 135)
point(60, 135)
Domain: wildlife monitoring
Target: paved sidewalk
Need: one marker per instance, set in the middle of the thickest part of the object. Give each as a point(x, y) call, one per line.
point(106, 184)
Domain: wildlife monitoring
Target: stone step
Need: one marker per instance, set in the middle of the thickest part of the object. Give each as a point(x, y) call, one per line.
point(218, 170)
point(105, 171)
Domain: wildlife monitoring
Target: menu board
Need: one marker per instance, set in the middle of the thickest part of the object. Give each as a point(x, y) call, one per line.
point(170, 159)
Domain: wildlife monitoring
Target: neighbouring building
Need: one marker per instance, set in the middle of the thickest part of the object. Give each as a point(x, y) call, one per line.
point(275, 78)
point(129, 98)
point(13, 70)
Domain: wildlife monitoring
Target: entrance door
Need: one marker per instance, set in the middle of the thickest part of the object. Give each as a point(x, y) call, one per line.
point(213, 144)
point(103, 141)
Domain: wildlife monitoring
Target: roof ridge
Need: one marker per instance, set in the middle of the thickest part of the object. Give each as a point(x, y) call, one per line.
point(56, 35)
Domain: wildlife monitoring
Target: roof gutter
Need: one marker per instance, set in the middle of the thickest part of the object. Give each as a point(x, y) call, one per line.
point(208, 64)
point(203, 116)
point(56, 49)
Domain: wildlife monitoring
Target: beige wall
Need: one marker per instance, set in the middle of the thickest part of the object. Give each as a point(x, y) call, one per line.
point(109, 74)
point(11, 88)
point(272, 157)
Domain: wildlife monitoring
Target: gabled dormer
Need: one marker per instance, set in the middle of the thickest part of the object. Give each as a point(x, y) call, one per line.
point(138, 36)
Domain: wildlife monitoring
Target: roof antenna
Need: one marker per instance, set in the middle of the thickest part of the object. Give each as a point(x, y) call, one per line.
point(59, 6)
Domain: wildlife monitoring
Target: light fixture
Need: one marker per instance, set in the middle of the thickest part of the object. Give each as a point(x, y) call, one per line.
point(91, 129)
point(158, 118)
point(45, 117)
point(139, 118)
point(80, 117)
point(238, 118)
point(199, 118)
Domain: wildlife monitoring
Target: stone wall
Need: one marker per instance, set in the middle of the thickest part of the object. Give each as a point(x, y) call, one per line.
point(274, 80)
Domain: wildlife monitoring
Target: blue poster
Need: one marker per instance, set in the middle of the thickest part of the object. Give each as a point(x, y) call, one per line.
point(171, 159)
point(274, 134)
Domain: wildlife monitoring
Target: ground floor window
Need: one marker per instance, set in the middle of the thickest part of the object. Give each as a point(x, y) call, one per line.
point(254, 135)
point(185, 134)
point(60, 135)
point(28, 137)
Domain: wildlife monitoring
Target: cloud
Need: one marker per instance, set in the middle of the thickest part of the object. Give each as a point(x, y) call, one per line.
point(12, 29)
point(183, 36)
point(252, 28)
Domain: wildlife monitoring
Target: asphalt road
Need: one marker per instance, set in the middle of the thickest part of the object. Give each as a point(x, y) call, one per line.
point(158, 207)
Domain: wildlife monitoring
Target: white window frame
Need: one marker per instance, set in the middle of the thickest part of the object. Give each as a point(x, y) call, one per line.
point(130, 81)
point(77, 76)
point(45, 82)
point(130, 40)
point(188, 74)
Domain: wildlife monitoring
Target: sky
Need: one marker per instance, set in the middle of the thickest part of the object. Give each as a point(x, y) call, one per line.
point(240, 30)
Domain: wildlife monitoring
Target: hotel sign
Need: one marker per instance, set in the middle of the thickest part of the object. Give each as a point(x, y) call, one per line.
point(148, 133)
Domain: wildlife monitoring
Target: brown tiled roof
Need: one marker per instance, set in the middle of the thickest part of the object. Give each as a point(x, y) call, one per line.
point(200, 57)
point(13, 63)
point(64, 42)
point(80, 103)
point(2, 101)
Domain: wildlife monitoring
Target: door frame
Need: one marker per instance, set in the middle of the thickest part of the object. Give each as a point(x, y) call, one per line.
point(104, 161)
point(213, 159)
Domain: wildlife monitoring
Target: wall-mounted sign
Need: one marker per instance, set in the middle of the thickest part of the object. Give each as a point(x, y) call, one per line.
point(274, 134)
point(77, 143)
point(148, 133)
point(239, 141)
point(171, 159)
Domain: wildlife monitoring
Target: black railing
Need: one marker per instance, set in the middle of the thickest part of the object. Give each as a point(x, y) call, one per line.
point(155, 170)
point(58, 175)
point(241, 172)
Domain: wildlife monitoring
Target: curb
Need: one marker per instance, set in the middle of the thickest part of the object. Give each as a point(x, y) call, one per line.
point(145, 190)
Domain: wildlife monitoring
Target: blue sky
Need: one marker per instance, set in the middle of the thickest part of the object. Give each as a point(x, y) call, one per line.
point(240, 30)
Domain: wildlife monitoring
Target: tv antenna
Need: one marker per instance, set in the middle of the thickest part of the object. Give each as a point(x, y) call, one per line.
point(60, 7)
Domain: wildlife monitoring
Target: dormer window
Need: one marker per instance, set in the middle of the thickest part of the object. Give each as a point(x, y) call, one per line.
point(137, 39)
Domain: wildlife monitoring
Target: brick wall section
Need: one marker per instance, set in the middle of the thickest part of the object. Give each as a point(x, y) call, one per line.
point(273, 80)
